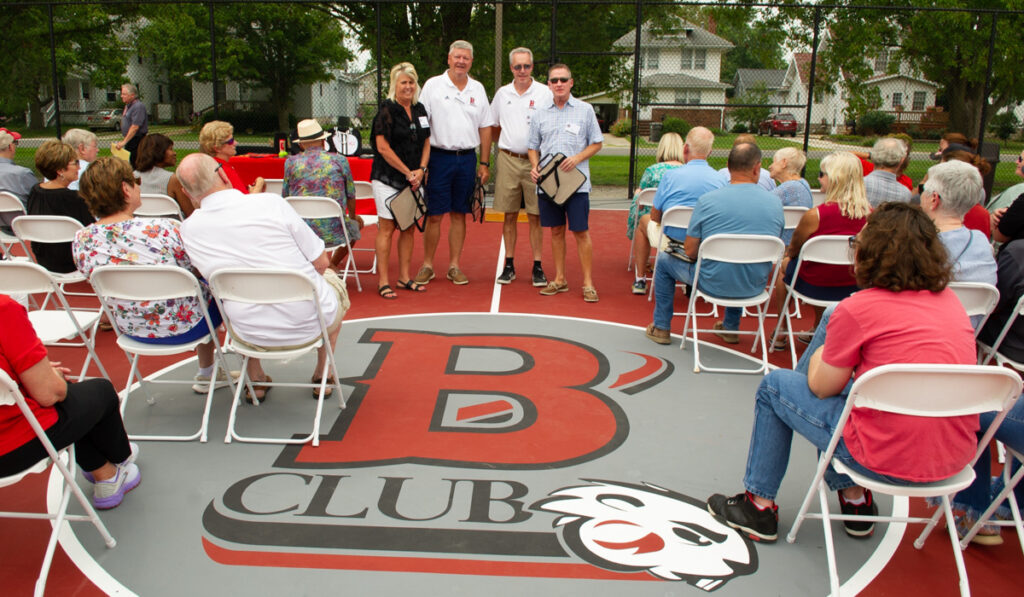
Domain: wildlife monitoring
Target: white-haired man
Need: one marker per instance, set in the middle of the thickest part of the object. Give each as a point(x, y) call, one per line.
point(881, 185)
point(460, 122)
point(259, 230)
point(513, 108)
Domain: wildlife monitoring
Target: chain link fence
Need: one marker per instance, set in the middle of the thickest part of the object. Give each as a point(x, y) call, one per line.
point(818, 77)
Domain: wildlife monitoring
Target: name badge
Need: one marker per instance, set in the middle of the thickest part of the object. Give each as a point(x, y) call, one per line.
point(423, 122)
point(572, 129)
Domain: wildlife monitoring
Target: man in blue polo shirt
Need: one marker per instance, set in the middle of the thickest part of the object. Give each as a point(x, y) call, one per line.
point(567, 126)
point(742, 207)
point(683, 186)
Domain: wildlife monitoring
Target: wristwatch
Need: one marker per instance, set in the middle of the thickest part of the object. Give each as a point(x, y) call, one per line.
point(483, 163)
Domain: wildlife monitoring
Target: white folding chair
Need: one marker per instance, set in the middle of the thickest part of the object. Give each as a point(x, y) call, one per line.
point(737, 249)
point(64, 461)
point(114, 283)
point(11, 206)
point(364, 190)
point(792, 215)
point(922, 391)
point(51, 229)
point(678, 217)
point(263, 287)
point(1010, 481)
point(817, 197)
point(53, 326)
point(274, 185)
point(645, 198)
point(156, 205)
point(987, 352)
point(315, 208)
point(828, 249)
point(978, 299)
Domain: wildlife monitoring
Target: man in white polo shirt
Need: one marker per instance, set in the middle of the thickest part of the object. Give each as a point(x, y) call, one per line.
point(258, 230)
point(460, 122)
point(513, 107)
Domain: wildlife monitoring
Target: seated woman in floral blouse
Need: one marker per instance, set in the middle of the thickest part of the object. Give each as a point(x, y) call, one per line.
point(112, 193)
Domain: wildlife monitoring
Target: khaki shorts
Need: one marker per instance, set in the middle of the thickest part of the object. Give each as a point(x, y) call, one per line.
point(513, 186)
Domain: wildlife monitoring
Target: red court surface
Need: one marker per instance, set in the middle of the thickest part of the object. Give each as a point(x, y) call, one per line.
point(992, 570)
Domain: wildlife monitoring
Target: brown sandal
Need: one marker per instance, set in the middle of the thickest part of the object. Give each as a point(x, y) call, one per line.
point(258, 387)
point(327, 391)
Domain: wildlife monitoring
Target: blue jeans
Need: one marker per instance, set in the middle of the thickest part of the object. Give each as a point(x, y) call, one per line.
point(784, 404)
point(976, 498)
point(817, 341)
point(669, 270)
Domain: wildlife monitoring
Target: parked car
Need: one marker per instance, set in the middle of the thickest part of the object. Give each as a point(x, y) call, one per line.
point(104, 119)
point(781, 123)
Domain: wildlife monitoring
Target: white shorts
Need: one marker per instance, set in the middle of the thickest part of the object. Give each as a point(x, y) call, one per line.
point(383, 192)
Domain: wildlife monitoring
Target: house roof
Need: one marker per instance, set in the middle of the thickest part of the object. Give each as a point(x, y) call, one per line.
point(749, 77)
point(881, 78)
point(679, 80)
point(803, 65)
point(684, 34)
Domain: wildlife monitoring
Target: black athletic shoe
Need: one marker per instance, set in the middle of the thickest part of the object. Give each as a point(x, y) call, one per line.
point(861, 529)
point(507, 275)
point(741, 513)
point(539, 279)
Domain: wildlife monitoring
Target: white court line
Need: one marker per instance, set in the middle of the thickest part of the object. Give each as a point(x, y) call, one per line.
point(496, 294)
point(92, 570)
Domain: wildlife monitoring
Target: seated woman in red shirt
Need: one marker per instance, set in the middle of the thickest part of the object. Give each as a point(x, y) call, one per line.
point(85, 414)
point(217, 139)
point(904, 314)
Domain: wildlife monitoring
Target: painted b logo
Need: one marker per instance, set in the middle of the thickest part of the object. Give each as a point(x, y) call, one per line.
point(479, 401)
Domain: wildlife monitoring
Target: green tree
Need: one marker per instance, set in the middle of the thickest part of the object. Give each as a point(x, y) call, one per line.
point(88, 42)
point(752, 116)
point(267, 46)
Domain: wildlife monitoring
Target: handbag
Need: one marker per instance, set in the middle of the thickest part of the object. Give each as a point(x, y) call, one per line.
point(407, 209)
point(558, 186)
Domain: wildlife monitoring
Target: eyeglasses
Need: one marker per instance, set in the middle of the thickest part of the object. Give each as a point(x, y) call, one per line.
point(1019, 158)
point(822, 174)
point(522, 66)
point(559, 80)
point(230, 141)
point(853, 241)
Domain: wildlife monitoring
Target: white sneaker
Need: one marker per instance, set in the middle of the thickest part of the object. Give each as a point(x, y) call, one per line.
point(109, 494)
point(131, 458)
point(202, 384)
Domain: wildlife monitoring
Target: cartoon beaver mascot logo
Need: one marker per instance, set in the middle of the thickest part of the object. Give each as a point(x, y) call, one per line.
point(634, 528)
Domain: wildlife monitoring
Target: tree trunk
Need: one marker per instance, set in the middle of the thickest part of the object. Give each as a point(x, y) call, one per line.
point(282, 117)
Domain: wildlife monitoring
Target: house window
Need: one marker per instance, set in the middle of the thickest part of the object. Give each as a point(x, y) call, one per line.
point(652, 59)
point(897, 100)
point(694, 59)
point(919, 99)
point(882, 61)
point(687, 96)
point(160, 93)
point(111, 96)
point(85, 90)
point(62, 91)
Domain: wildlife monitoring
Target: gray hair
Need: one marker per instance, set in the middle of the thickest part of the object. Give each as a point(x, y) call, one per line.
point(795, 159)
point(407, 69)
point(520, 50)
point(957, 183)
point(5, 141)
point(461, 44)
point(132, 89)
point(700, 140)
point(197, 174)
point(888, 152)
point(79, 137)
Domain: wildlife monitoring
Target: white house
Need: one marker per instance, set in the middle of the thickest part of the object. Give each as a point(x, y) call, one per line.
point(680, 65)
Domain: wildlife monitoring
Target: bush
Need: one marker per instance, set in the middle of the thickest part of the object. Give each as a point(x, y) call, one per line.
point(675, 125)
point(927, 134)
point(875, 123)
point(868, 141)
point(244, 121)
point(1004, 124)
point(622, 128)
point(739, 127)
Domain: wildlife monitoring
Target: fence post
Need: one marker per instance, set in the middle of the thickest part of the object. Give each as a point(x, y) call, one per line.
point(635, 124)
point(53, 73)
point(380, 55)
point(988, 84)
point(213, 65)
point(810, 78)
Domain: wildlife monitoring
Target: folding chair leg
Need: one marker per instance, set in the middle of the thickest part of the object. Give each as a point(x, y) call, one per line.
point(965, 589)
point(830, 548)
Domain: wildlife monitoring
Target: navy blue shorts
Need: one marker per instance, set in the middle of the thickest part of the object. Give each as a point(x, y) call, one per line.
point(195, 333)
point(450, 183)
point(821, 293)
point(577, 209)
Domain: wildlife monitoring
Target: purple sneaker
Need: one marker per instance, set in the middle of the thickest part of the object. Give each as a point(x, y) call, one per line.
point(131, 458)
point(108, 494)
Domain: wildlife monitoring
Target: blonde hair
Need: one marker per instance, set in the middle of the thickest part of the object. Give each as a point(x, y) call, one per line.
point(846, 184)
point(670, 148)
point(214, 134)
point(407, 69)
point(795, 159)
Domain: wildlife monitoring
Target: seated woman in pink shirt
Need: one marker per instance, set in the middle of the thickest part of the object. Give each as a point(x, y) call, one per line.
point(904, 314)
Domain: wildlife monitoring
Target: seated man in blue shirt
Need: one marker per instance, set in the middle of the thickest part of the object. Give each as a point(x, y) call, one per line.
point(683, 186)
point(742, 207)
